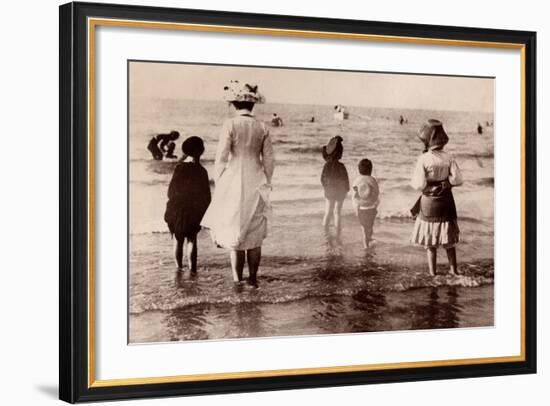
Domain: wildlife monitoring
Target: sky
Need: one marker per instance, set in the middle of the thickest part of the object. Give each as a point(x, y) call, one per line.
point(298, 86)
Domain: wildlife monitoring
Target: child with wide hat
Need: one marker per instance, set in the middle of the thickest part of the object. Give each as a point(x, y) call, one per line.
point(435, 174)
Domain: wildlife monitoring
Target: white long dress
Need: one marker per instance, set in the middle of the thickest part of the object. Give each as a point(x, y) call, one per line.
point(238, 215)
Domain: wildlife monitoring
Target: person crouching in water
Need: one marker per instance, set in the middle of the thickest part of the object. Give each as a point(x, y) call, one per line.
point(163, 145)
point(335, 181)
point(188, 199)
point(276, 121)
point(435, 174)
point(365, 199)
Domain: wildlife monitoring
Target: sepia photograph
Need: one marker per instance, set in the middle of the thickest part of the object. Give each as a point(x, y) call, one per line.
point(274, 201)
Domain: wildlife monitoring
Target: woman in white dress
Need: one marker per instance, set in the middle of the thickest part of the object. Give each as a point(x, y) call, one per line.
point(435, 174)
point(238, 215)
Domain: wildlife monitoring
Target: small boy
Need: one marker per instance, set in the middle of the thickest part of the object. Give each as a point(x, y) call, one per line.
point(365, 199)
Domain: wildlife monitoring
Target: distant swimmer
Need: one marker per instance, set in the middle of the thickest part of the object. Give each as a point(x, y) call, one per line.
point(401, 120)
point(276, 121)
point(340, 112)
point(312, 119)
point(163, 145)
point(479, 129)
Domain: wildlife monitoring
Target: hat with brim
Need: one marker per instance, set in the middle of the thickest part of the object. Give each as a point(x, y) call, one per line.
point(242, 92)
point(193, 146)
point(334, 148)
point(433, 135)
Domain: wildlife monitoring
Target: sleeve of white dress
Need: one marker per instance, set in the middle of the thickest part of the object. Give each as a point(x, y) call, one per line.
point(455, 177)
point(418, 180)
point(224, 149)
point(268, 157)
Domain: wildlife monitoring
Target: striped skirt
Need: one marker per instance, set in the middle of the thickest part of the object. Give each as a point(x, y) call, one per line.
point(435, 234)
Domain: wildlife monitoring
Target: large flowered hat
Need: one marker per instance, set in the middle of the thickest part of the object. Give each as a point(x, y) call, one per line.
point(242, 92)
point(433, 135)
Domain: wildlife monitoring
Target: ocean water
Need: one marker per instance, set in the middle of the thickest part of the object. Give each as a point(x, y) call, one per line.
point(307, 285)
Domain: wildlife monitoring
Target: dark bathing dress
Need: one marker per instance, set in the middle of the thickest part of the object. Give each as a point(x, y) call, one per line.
point(188, 199)
point(335, 180)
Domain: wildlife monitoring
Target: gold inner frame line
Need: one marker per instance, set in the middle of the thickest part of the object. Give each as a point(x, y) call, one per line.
point(94, 22)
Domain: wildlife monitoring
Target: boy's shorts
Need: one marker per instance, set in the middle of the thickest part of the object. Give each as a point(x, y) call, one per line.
point(366, 217)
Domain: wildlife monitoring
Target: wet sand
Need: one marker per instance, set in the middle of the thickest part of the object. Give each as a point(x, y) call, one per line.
point(326, 289)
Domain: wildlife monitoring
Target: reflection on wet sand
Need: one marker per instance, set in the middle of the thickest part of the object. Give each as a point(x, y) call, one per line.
point(243, 319)
point(441, 310)
point(206, 321)
point(341, 294)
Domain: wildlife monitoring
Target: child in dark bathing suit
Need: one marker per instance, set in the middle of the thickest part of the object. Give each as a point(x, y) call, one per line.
point(188, 199)
point(335, 181)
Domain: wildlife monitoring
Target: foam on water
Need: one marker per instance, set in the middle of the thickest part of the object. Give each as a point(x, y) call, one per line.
point(393, 148)
point(300, 270)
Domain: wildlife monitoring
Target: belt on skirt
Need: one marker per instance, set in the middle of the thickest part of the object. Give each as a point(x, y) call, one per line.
point(436, 203)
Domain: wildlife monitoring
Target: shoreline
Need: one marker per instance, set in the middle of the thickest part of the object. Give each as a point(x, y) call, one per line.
point(436, 308)
point(312, 280)
point(303, 276)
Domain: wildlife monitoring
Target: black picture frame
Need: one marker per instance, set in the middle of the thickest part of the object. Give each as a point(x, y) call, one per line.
point(74, 383)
